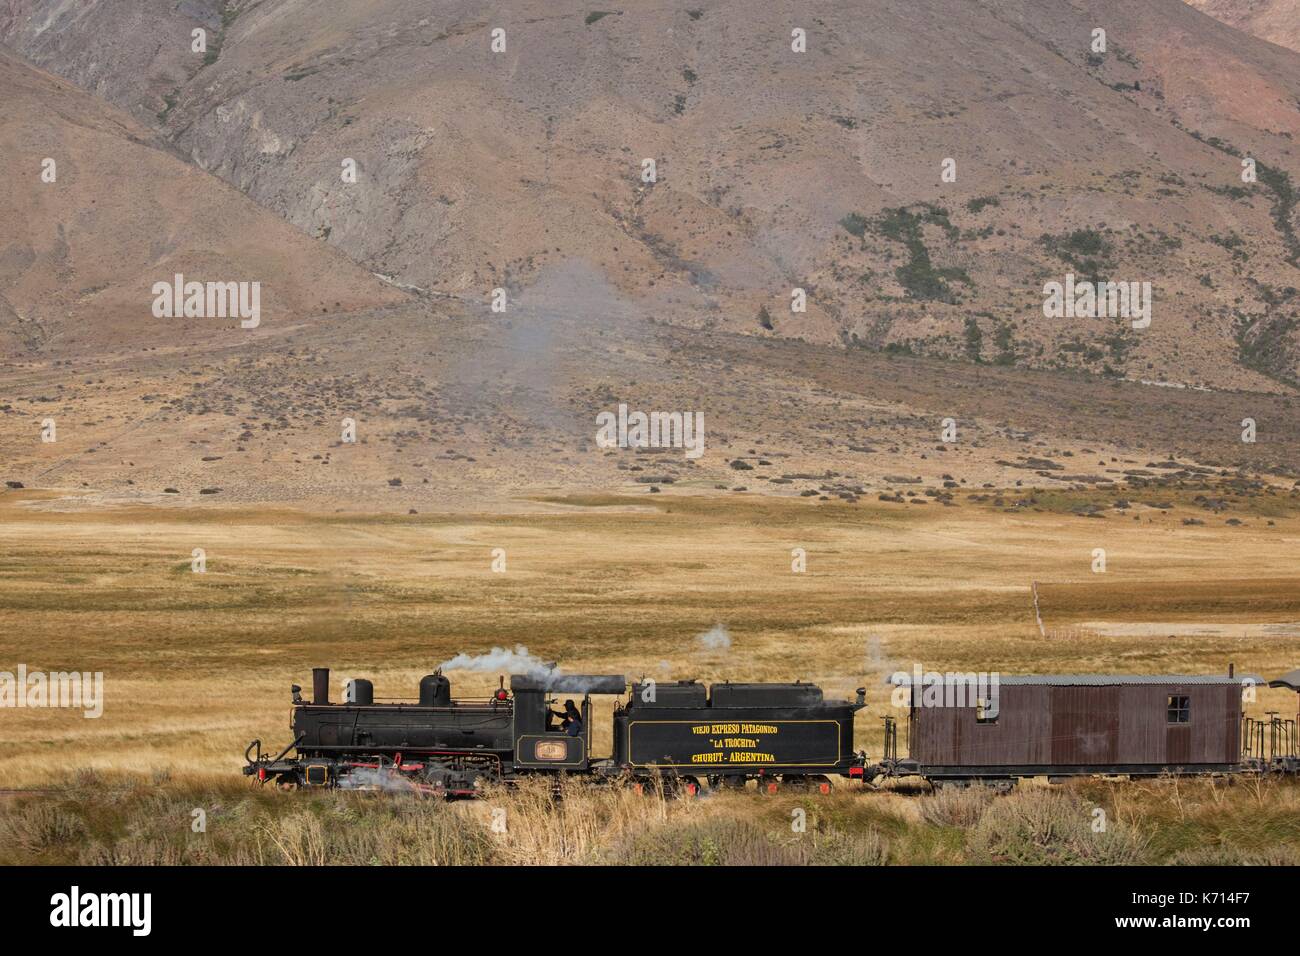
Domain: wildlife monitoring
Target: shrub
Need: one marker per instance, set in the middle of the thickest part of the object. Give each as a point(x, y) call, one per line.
point(854, 225)
point(834, 848)
point(1046, 827)
point(956, 807)
point(1228, 855)
point(37, 827)
point(714, 842)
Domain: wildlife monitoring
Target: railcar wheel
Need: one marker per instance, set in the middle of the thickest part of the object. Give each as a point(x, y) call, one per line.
point(653, 785)
point(818, 783)
point(804, 782)
point(640, 785)
point(676, 786)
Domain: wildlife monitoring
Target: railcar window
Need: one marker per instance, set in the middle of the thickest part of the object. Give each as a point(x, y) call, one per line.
point(1180, 710)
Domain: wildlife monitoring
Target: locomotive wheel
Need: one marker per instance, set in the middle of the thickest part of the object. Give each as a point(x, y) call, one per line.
point(651, 786)
point(677, 787)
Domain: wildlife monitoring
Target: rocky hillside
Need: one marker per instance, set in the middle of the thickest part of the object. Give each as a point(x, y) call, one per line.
point(1277, 21)
point(96, 211)
point(776, 169)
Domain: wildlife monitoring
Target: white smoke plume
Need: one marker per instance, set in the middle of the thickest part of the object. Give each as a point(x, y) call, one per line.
point(370, 778)
point(715, 638)
point(577, 684)
point(877, 661)
point(503, 660)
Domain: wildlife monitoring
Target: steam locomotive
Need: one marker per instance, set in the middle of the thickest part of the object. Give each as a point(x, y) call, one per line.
point(684, 734)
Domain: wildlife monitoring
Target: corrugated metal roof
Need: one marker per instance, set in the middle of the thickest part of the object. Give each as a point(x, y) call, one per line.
point(1291, 680)
point(1093, 680)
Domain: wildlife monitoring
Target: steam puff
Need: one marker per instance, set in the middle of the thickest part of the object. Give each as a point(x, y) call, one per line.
point(369, 778)
point(518, 661)
point(714, 639)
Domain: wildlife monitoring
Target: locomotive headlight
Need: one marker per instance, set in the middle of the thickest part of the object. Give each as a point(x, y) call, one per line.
point(550, 750)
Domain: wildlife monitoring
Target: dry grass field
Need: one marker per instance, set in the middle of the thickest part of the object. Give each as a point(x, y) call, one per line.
point(113, 819)
point(196, 665)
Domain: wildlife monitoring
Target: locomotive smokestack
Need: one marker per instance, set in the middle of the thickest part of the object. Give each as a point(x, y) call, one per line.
point(320, 685)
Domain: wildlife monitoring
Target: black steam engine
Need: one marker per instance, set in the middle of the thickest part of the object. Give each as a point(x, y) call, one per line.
point(683, 732)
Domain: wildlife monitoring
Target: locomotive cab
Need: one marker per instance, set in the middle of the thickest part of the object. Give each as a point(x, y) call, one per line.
point(539, 744)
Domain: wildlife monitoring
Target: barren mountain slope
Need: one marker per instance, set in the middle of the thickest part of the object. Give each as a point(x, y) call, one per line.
point(1277, 21)
point(468, 411)
point(81, 252)
point(776, 169)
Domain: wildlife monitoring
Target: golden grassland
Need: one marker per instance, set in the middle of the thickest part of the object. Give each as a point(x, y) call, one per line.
point(196, 665)
point(130, 819)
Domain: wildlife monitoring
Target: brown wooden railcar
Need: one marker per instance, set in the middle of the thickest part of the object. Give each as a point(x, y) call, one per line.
point(1070, 725)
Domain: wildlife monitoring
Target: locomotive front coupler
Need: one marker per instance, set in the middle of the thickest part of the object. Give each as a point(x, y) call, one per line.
point(252, 761)
point(261, 761)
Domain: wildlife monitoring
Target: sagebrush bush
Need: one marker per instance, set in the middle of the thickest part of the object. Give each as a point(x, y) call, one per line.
point(1229, 855)
point(390, 830)
point(956, 806)
point(35, 828)
point(835, 848)
point(1049, 827)
point(718, 841)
